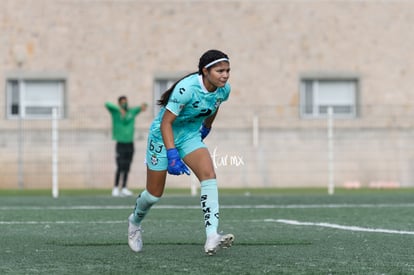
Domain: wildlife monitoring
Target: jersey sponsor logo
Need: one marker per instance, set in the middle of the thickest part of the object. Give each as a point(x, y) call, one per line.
point(204, 112)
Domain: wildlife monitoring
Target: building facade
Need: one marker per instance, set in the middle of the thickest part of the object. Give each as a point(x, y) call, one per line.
point(293, 63)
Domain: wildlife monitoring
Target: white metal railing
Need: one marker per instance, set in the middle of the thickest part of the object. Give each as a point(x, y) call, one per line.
point(276, 146)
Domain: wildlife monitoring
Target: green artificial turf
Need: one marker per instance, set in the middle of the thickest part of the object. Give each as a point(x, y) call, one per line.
point(85, 232)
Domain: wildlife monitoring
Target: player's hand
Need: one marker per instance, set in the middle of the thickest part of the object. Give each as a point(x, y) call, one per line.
point(204, 131)
point(175, 165)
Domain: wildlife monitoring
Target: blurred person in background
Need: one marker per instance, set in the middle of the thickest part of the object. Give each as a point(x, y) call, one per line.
point(123, 129)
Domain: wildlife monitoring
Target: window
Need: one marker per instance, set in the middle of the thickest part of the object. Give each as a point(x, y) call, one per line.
point(316, 95)
point(162, 83)
point(35, 98)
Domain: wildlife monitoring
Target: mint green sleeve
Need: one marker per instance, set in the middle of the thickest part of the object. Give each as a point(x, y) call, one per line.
point(180, 96)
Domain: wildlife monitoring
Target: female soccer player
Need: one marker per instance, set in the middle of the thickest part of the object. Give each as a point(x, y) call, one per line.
point(175, 140)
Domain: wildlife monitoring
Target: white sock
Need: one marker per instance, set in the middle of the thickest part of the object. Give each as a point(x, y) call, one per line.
point(143, 204)
point(210, 205)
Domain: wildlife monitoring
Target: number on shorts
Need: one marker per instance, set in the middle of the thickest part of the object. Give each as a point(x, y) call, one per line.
point(155, 147)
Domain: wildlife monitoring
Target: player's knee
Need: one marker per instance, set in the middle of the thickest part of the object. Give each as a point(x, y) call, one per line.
point(205, 175)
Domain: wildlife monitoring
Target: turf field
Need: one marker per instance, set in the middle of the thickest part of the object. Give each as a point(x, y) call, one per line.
point(277, 232)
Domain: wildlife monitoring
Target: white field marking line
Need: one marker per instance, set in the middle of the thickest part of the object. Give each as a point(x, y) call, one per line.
point(263, 206)
point(60, 222)
point(342, 227)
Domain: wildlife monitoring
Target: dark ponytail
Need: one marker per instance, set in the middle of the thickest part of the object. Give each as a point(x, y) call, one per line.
point(166, 95)
point(205, 59)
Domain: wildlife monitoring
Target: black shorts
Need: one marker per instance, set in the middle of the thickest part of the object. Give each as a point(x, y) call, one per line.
point(124, 155)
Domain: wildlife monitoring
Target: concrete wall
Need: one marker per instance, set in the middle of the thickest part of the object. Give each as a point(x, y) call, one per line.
point(110, 47)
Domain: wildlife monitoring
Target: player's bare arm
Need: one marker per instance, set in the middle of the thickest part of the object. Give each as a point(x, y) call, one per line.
point(208, 122)
point(166, 129)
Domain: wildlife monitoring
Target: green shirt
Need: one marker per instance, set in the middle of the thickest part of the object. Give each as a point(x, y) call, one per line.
point(123, 127)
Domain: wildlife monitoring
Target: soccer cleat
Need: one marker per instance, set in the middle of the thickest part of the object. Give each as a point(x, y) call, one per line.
point(217, 241)
point(115, 192)
point(134, 235)
point(126, 193)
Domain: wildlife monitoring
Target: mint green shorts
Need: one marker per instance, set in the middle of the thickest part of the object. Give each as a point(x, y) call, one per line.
point(156, 156)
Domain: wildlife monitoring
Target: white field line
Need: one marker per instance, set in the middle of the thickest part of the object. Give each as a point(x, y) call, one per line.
point(264, 206)
point(60, 222)
point(342, 227)
point(271, 206)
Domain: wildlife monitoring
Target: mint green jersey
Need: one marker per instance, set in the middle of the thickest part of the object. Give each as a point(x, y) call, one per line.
point(123, 127)
point(192, 104)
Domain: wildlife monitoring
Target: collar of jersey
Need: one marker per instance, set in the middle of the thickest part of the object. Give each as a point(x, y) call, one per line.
point(200, 80)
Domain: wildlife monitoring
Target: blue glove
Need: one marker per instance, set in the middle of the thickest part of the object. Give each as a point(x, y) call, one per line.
point(175, 165)
point(204, 131)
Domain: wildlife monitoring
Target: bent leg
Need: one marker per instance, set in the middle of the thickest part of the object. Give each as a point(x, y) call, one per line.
point(150, 196)
point(202, 165)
